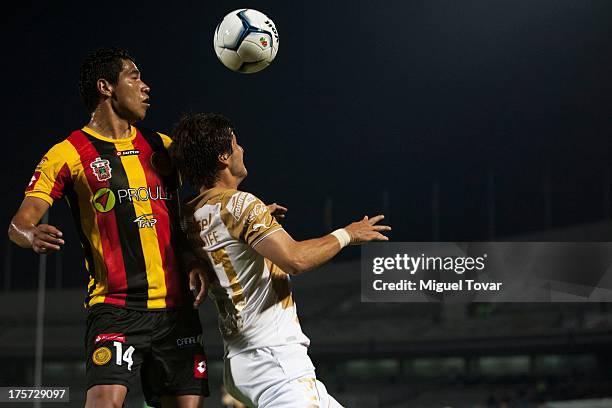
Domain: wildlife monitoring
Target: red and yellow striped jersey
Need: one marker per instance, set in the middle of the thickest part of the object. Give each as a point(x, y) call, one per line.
point(122, 193)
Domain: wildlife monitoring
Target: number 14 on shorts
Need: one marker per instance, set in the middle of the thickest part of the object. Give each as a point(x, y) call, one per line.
point(121, 356)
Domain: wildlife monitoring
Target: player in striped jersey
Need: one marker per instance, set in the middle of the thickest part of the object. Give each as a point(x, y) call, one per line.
point(122, 191)
point(266, 361)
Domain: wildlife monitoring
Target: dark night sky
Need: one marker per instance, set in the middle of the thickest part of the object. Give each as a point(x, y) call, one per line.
point(363, 97)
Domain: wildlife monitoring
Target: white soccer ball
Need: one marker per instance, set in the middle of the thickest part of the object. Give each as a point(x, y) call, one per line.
point(246, 41)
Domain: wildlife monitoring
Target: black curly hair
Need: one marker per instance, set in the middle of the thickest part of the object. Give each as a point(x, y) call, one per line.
point(105, 63)
point(198, 141)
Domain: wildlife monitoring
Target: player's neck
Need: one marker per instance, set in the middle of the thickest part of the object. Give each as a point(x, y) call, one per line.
point(226, 180)
point(229, 184)
point(109, 125)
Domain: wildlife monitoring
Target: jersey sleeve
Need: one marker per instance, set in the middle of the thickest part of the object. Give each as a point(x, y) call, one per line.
point(251, 218)
point(51, 178)
point(166, 140)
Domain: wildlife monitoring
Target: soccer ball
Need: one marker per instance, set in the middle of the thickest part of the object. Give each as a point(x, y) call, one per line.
point(246, 41)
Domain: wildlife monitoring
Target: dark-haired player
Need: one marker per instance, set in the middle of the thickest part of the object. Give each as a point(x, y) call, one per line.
point(121, 190)
point(266, 360)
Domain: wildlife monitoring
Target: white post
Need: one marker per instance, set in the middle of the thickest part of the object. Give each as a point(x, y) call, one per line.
point(59, 271)
point(40, 317)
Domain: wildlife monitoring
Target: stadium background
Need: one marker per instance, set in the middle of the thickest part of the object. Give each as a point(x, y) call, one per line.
point(461, 121)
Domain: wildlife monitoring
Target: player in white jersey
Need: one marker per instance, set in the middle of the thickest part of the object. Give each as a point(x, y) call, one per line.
point(266, 360)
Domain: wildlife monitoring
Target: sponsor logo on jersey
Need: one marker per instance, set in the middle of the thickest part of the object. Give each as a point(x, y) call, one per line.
point(238, 203)
point(204, 223)
point(207, 219)
point(101, 356)
point(146, 221)
point(110, 337)
point(200, 370)
point(260, 225)
point(103, 200)
point(101, 169)
point(257, 210)
point(143, 194)
point(132, 152)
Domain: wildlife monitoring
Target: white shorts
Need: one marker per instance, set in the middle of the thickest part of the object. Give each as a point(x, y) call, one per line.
point(276, 377)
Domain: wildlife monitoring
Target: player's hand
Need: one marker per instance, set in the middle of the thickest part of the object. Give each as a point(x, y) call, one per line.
point(277, 210)
point(46, 238)
point(198, 284)
point(366, 230)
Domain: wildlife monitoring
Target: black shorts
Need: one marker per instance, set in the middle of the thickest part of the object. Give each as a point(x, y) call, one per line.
point(165, 347)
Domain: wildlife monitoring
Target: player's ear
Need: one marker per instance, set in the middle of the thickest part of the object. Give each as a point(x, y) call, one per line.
point(224, 159)
point(104, 87)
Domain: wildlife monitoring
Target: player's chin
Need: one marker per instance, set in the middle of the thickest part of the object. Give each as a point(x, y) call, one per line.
point(140, 114)
point(144, 109)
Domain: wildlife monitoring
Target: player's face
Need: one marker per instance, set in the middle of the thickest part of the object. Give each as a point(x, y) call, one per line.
point(130, 99)
point(236, 160)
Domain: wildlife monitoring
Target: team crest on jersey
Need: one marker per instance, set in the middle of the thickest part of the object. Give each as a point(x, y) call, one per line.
point(101, 356)
point(238, 203)
point(101, 169)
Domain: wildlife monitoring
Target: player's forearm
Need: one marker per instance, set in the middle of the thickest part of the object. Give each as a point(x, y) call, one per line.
point(23, 228)
point(314, 252)
point(21, 233)
point(298, 257)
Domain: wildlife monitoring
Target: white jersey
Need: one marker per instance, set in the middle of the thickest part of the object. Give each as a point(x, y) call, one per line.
point(253, 296)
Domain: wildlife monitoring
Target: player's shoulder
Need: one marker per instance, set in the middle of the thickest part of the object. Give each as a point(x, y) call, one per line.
point(64, 150)
point(237, 202)
point(152, 134)
point(231, 202)
point(166, 140)
point(70, 139)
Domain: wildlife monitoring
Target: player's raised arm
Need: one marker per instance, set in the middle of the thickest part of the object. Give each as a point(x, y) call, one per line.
point(296, 257)
point(25, 231)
